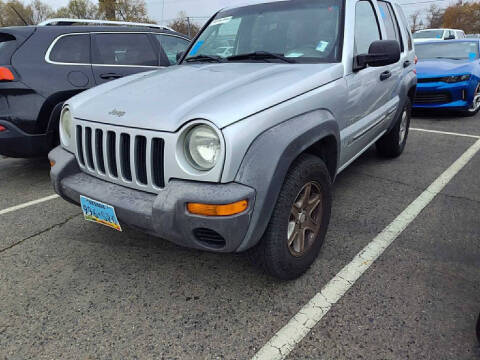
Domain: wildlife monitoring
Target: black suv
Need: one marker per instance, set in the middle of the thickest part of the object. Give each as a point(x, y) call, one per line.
point(42, 66)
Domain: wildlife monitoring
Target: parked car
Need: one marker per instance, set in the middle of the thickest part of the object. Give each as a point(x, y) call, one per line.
point(448, 76)
point(239, 153)
point(472, 36)
point(437, 34)
point(42, 66)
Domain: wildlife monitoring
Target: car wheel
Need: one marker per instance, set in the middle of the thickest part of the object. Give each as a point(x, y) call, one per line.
point(299, 222)
point(475, 107)
point(393, 143)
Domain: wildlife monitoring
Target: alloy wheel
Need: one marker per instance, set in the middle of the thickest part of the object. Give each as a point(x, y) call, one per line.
point(305, 219)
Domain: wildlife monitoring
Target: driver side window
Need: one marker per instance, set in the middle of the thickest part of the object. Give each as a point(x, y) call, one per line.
point(366, 27)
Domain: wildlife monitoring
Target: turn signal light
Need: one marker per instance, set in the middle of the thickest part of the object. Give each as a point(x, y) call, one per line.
point(6, 74)
point(217, 210)
point(416, 60)
point(52, 163)
point(2, 128)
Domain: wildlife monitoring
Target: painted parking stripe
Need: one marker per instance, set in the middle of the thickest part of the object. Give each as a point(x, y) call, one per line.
point(446, 133)
point(284, 341)
point(28, 204)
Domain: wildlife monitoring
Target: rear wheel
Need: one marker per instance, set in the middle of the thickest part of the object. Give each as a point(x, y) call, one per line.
point(299, 223)
point(393, 143)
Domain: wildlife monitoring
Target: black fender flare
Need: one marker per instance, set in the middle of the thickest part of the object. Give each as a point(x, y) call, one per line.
point(269, 158)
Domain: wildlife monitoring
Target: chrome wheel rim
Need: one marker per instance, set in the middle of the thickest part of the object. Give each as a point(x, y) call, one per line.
point(305, 219)
point(403, 127)
point(476, 100)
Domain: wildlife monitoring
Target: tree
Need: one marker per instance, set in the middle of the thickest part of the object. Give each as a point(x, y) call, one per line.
point(40, 12)
point(184, 25)
point(464, 16)
point(78, 9)
point(415, 20)
point(15, 13)
point(124, 10)
point(435, 17)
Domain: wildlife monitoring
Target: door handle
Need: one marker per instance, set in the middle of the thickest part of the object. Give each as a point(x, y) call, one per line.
point(407, 64)
point(385, 75)
point(110, 76)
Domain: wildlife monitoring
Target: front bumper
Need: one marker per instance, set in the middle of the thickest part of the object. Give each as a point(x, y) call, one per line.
point(164, 214)
point(18, 144)
point(440, 95)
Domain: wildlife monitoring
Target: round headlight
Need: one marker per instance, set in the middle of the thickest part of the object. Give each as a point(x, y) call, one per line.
point(66, 127)
point(202, 147)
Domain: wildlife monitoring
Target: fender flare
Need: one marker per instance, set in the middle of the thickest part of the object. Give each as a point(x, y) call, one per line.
point(269, 158)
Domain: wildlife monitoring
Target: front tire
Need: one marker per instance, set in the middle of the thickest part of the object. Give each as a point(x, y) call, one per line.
point(298, 226)
point(475, 107)
point(392, 144)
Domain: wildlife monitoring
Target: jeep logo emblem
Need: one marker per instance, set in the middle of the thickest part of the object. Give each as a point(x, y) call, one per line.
point(118, 113)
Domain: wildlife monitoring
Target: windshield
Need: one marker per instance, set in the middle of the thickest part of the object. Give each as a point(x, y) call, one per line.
point(448, 50)
point(304, 31)
point(429, 34)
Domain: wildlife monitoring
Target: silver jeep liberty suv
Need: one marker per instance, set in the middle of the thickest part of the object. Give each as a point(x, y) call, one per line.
point(235, 149)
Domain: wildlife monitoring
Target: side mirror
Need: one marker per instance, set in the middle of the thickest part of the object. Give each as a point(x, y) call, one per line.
point(180, 55)
point(380, 53)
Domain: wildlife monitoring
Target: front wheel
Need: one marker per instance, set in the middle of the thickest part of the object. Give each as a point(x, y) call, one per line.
point(475, 106)
point(299, 223)
point(392, 144)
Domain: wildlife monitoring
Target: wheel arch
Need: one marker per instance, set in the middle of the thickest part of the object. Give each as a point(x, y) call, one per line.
point(315, 133)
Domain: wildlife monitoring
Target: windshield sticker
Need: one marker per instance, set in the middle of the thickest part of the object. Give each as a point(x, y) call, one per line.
point(382, 12)
point(294, 55)
point(221, 21)
point(197, 47)
point(472, 56)
point(322, 46)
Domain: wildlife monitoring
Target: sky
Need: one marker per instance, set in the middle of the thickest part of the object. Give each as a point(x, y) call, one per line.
point(202, 9)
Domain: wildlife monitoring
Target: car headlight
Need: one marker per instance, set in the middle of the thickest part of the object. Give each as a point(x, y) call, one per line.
point(202, 147)
point(455, 79)
point(66, 127)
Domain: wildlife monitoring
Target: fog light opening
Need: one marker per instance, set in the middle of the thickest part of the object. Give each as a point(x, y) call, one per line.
point(217, 210)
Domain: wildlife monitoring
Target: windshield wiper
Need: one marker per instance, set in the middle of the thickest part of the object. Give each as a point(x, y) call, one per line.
point(202, 58)
point(260, 55)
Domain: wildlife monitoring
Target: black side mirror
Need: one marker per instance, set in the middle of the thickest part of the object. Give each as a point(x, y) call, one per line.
point(180, 55)
point(380, 53)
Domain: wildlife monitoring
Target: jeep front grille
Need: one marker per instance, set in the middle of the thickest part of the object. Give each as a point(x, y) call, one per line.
point(117, 155)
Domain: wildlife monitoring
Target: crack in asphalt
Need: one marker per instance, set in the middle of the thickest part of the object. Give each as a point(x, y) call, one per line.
point(58, 225)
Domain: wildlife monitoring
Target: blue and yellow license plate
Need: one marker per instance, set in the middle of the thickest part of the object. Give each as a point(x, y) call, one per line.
point(99, 213)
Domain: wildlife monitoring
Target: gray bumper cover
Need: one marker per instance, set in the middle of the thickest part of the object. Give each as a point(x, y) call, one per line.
point(163, 215)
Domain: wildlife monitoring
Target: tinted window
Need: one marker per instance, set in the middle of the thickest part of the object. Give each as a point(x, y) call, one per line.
point(74, 49)
point(391, 24)
point(306, 31)
point(366, 27)
point(405, 24)
point(124, 49)
point(172, 45)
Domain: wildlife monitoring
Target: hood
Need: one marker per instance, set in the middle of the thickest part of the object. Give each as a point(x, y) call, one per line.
point(443, 67)
point(221, 93)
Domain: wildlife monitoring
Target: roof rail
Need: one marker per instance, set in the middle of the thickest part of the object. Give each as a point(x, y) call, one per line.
point(70, 22)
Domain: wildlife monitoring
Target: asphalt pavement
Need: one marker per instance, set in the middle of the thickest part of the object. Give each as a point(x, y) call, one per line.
point(71, 289)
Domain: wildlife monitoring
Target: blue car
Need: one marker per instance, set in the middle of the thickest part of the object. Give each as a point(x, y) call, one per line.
point(448, 75)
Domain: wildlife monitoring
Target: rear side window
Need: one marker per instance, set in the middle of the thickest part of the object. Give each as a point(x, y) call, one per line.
point(72, 49)
point(366, 27)
point(124, 49)
point(7, 47)
point(391, 24)
point(405, 23)
point(172, 45)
